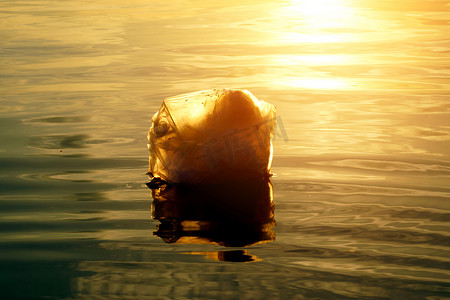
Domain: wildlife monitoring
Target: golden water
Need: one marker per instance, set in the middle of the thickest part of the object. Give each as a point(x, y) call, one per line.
point(362, 167)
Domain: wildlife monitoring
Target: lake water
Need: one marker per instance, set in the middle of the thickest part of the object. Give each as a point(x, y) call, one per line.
point(361, 191)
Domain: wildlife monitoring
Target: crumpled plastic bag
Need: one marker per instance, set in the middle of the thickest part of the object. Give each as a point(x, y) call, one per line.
point(212, 136)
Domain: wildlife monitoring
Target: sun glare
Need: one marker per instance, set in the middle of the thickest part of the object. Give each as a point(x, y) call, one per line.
point(315, 83)
point(310, 25)
point(310, 21)
point(313, 60)
point(320, 14)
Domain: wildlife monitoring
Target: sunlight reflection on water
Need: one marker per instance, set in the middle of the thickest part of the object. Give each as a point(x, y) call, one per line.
point(361, 173)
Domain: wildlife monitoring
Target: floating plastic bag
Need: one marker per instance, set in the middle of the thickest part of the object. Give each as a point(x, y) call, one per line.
point(212, 136)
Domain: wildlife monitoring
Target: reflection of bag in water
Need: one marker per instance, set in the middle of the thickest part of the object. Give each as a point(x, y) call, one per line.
point(211, 136)
point(224, 214)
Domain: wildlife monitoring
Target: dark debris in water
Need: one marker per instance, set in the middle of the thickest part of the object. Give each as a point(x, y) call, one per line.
point(156, 182)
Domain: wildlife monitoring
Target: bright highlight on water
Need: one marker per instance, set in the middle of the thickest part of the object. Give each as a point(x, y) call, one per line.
point(359, 201)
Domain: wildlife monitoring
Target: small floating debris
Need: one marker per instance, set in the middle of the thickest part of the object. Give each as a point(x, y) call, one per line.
point(212, 136)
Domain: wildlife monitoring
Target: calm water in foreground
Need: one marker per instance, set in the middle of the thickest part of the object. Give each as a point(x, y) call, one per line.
point(361, 193)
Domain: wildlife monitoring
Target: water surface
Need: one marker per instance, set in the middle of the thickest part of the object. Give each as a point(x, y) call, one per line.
point(362, 169)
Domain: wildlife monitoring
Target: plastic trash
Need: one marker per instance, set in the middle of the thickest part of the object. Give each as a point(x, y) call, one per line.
point(211, 136)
